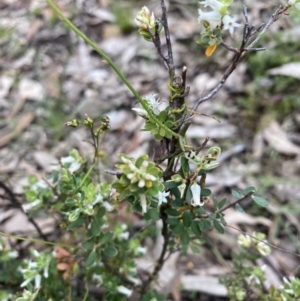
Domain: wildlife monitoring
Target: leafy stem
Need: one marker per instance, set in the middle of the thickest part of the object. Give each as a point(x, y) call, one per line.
point(142, 101)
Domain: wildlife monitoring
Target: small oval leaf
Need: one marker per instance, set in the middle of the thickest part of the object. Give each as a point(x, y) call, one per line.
point(110, 251)
point(218, 226)
point(260, 201)
point(91, 259)
point(248, 189)
point(239, 208)
point(236, 194)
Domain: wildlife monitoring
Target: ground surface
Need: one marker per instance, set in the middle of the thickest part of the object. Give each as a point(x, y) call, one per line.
point(49, 76)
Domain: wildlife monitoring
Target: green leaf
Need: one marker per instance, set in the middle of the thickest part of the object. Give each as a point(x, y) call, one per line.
point(163, 115)
point(205, 192)
point(157, 137)
point(150, 126)
point(91, 259)
point(189, 195)
point(105, 238)
point(204, 225)
point(162, 132)
point(221, 203)
point(123, 195)
point(88, 245)
point(185, 237)
point(177, 229)
point(139, 161)
point(110, 251)
point(236, 194)
point(239, 208)
point(178, 202)
point(218, 226)
point(195, 228)
point(248, 189)
point(101, 212)
point(215, 201)
point(171, 184)
point(173, 221)
point(200, 210)
point(70, 202)
point(172, 212)
point(185, 166)
point(96, 227)
point(260, 201)
point(187, 219)
point(152, 214)
point(77, 223)
point(153, 191)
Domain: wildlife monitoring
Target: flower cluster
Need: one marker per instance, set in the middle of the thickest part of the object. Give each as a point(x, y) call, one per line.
point(85, 201)
point(34, 269)
point(146, 23)
point(141, 179)
point(258, 242)
point(213, 21)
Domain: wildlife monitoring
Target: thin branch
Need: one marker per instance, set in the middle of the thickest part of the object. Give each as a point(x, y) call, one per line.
point(273, 19)
point(16, 203)
point(263, 241)
point(160, 261)
point(230, 48)
point(249, 194)
point(157, 43)
point(168, 39)
point(249, 31)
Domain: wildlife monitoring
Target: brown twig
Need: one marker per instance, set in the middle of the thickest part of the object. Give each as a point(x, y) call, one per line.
point(249, 194)
point(249, 32)
point(16, 203)
point(162, 258)
point(168, 39)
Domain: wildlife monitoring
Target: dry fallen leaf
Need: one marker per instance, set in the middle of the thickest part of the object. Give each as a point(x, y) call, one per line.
point(23, 122)
point(278, 139)
point(290, 69)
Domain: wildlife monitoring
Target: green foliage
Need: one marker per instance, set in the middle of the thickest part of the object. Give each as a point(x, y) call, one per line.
point(103, 251)
point(156, 130)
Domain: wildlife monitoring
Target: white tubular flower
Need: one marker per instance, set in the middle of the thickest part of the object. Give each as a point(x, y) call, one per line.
point(143, 202)
point(37, 281)
point(214, 4)
point(292, 2)
point(162, 197)
point(229, 23)
point(212, 17)
point(196, 192)
point(124, 290)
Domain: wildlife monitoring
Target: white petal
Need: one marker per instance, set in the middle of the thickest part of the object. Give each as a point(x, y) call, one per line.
point(124, 290)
